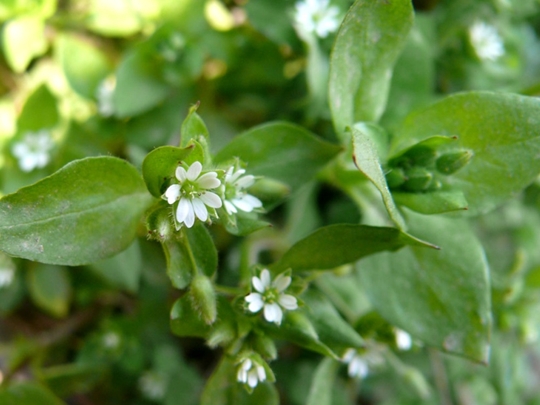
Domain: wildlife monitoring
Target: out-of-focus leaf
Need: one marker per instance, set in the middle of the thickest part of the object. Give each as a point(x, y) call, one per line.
point(50, 288)
point(23, 39)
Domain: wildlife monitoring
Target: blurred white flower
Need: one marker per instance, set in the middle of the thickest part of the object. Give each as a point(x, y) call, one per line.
point(111, 340)
point(104, 96)
point(357, 364)
point(236, 198)
point(250, 373)
point(6, 276)
point(486, 41)
point(33, 151)
point(192, 194)
point(270, 296)
point(403, 339)
point(153, 385)
point(317, 16)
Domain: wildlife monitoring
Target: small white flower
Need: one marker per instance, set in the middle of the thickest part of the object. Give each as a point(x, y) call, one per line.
point(33, 151)
point(6, 276)
point(250, 373)
point(270, 296)
point(192, 194)
point(111, 340)
point(236, 198)
point(486, 41)
point(403, 339)
point(357, 364)
point(104, 96)
point(317, 16)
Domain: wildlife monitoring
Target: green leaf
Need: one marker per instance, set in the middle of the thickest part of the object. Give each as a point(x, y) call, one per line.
point(50, 288)
point(23, 39)
point(223, 389)
point(86, 211)
point(137, 87)
point(40, 111)
point(160, 165)
point(436, 202)
point(84, 64)
point(201, 249)
point(320, 392)
point(280, 150)
point(367, 160)
point(332, 330)
point(366, 47)
point(179, 268)
point(28, 394)
point(336, 245)
point(123, 270)
point(440, 297)
point(500, 129)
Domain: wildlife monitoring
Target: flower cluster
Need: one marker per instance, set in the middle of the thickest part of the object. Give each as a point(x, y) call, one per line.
point(250, 373)
point(198, 194)
point(270, 296)
point(33, 151)
point(317, 16)
point(486, 41)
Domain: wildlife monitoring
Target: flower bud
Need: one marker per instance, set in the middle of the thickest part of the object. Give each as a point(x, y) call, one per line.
point(395, 177)
point(421, 155)
point(418, 179)
point(451, 162)
point(203, 298)
point(159, 224)
point(265, 346)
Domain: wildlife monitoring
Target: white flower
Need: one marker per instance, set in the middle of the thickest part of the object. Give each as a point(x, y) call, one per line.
point(403, 339)
point(236, 198)
point(486, 41)
point(6, 276)
point(111, 340)
point(250, 373)
point(104, 96)
point(153, 385)
point(270, 296)
point(192, 194)
point(317, 16)
point(33, 151)
point(357, 364)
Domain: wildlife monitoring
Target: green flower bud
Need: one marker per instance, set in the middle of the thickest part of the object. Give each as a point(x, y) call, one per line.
point(222, 334)
point(451, 162)
point(418, 179)
point(159, 224)
point(265, 346)
point(395, 177)
point(421, 155)
point(203, 298)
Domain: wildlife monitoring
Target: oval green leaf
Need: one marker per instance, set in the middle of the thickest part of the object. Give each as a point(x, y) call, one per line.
point(280, 150)
point(86, 211)
point(440, 297)
point(367, 45)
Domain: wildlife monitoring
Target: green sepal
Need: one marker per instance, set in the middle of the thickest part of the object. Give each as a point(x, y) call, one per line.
point(194, 129)
point(159, 166)
point(436, 202)
point(450, 163)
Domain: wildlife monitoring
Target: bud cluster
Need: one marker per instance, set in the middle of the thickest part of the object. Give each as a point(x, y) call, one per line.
point(420, 169)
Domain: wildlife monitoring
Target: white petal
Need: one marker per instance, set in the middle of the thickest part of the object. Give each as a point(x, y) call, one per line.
point(229, 174)
point(242, 204)
point(261, 373)
point(265, 278)
point(403, 340)
point(173, 193)
point(348, 355)
point(181, 174)
point(258, 284)
point(20, 150)
point(255, 302)
point(27, 163)
point(209, 180)
point(253, 201)
point(273, 313)
point(245, 181)
point(190, 217)
point(211, 199)
point(194, 171)
point(281, 282)
point(229, 207)
point(241, 375)
point(236, 175)
point(184, 206)
point(252, 378)
point(200, 209)
point(246, 364)
point(358, 367)
point(288, 302)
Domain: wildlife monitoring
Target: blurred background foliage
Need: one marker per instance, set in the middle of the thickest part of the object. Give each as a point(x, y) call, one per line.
point(117, 77)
